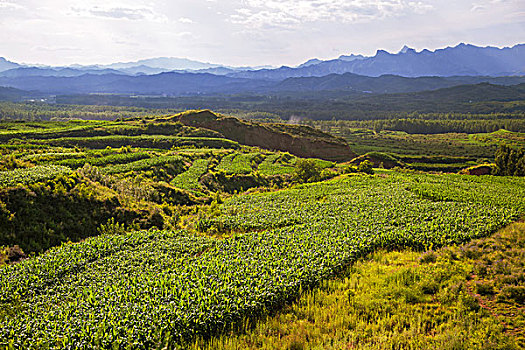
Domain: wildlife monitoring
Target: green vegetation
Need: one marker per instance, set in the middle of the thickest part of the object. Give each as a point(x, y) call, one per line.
point(277, 164)
point(470, 137)
point(448, 164)
point(146, 141)
point(469, 146)
point(157, 232)
point(41, 158)
point(175, 162)
point(240, 163)
point(365, 167)
point(101, 160)
point(307, 170)
point(68, 207)
point(341, 103)
point(465, 297)
point(443, 124)
point(55, 189)
point(31, 175)
point(189, 180)
point(11, 254)
point(180, 285)
point(438, 149)
point(510, 161)
point(57, 112)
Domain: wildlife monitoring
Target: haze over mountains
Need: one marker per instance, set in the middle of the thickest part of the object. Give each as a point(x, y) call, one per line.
point(464, 60)
point(405, 71)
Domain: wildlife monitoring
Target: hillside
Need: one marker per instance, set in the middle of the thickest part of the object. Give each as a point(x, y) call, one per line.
point(384, 84)
point(299, 140)
point(5, 64)
point(60, 181)
point(430, 300)
point(462, 98)
point(54, 72)
point(165, 288)
point(465, 93)
point(70, 81)
point(163, 231)
point(262, 175)
point(171, 83)
point(345, 97)
point(194, 128)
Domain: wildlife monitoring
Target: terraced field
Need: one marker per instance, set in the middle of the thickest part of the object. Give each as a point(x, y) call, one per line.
point(31, 175)
point(57, 189)
point(276, 164)
point(189, 180)
point(240, 163)
point(161, 288)
point(147, 233)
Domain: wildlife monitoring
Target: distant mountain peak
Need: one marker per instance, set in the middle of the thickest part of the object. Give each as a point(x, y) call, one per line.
point(351, 57)
point(310, 62)
point(382, 53)
point(460, 60)
point(166, 63)
point(464, 45)
point(406, 49)
point(6, 65)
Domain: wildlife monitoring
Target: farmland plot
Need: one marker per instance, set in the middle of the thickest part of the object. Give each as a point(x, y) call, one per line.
point(158, 288)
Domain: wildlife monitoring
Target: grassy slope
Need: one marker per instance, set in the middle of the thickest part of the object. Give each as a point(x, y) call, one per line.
point(160, 291)
point(432, 192)
point(466, 297)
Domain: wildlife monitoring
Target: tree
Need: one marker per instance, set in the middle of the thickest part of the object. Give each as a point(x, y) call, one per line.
point(510, 162)
point(307, 170)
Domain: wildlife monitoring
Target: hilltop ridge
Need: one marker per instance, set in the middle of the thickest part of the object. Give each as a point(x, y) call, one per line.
point(300, 140)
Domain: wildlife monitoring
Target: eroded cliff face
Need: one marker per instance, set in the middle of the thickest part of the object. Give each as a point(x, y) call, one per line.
point(301, 141)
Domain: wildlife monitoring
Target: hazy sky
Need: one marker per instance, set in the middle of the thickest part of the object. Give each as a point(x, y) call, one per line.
point(246, 32)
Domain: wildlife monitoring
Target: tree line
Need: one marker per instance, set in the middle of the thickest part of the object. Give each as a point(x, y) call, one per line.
point(422, 126)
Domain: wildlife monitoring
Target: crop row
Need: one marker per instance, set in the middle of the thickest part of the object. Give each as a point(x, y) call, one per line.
point(115, 158)
point(240, 163)
point(144, 141)
point(189, 180)
point(432, 198)
point(39, 158)
point(158, 289)
point(31, 175)
point(51, 132)
point(144, 164)
point(276, 164)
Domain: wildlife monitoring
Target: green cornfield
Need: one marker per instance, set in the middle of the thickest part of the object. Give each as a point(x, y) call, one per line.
point(157, 289)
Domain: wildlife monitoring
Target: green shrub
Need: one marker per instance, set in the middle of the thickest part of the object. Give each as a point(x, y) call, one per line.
point(307, 170)
point(115, 228)
point(365, 167)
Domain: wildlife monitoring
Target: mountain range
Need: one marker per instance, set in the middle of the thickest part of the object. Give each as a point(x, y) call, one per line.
point(186, 84)
point(463, 59)
point(404, 71)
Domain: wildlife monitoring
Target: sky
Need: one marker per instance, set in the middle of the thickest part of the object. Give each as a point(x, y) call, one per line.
point(246, 32)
